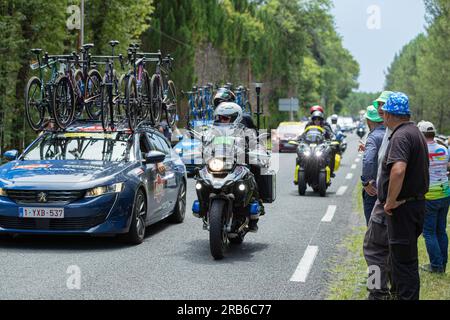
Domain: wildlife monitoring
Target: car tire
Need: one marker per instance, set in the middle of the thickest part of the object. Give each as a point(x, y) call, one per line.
point(180, 208)
point(136, 233)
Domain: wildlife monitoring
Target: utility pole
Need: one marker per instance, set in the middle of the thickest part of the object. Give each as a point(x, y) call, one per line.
point(82, 24)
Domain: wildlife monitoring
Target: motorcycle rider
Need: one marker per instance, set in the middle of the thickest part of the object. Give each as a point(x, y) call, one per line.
point(223, 95)
point(318, 120)
point(230, 114)
point(334, 123)
point(324, 124)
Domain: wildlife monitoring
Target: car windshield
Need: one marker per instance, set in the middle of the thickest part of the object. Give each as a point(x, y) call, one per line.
point(112, 147)
point(290, 129)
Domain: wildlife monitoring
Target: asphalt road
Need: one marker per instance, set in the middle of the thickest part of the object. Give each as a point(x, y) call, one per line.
point(289, 258)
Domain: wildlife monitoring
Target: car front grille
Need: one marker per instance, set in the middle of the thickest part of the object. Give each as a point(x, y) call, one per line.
point(64, 224)
point(39, 196)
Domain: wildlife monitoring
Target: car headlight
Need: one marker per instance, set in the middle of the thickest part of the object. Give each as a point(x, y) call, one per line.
point(216, 165)
point(99, 191)
point(3, 192)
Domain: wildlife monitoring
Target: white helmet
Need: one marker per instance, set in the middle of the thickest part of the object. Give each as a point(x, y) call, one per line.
point(228, 113)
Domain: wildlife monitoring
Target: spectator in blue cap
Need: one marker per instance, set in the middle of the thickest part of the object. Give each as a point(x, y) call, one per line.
point(402, 186)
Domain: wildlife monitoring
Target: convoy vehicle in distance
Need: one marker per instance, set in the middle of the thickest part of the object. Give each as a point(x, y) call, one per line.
point(85, 181)
point(287, 131)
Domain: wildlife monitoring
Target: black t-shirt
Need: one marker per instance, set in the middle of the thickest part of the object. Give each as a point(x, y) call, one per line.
point(407, 144)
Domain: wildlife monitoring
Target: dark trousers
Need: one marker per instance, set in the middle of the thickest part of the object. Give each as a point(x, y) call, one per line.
point(368, 203)
point(404, 228)
point(376, 253)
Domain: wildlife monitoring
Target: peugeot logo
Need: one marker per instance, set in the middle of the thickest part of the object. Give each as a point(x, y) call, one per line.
point(42, 197)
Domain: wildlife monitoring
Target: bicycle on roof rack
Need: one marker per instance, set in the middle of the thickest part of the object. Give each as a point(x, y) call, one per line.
point(242, 99)
point(110, 88)
point(136, 85)
point(163, 92)
point(86, 82)
point(40, 94)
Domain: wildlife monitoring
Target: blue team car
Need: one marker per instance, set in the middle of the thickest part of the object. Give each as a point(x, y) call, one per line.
point(86, 181)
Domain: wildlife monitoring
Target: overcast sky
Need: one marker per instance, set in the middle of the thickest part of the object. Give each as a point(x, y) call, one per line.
point(372, 41)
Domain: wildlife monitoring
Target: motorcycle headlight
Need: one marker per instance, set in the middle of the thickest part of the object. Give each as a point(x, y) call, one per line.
point(99, 191)
point(3, 192)
point(216, 165)
point(307, 153)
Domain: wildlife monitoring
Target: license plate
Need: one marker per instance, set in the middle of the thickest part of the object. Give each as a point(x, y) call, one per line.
point(48, 213)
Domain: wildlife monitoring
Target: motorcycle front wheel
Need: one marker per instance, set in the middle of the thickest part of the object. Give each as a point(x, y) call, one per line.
point(217, 236)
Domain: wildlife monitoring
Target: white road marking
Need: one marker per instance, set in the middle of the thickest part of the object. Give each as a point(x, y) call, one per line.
point(341, 191)
point(354, 166)
point(330, 213)
point(349, 176)
point(357, 160)
point(305, 265)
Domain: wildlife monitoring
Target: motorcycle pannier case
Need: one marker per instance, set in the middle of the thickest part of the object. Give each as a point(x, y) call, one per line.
point(267, 184)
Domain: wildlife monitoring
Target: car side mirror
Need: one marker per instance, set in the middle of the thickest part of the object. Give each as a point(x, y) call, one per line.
point(154, 157)
point(11, 155)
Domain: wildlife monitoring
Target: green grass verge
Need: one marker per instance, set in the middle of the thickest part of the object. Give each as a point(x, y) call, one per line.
point(349, 273)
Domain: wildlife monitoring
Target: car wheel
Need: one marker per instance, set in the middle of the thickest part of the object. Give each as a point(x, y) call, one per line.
point(180, 208)
point(136, 233)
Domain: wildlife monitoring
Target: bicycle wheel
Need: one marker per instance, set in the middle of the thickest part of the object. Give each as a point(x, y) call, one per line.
point(63, 102)
point(34, 105)
point(131, 103)
point(145, 110)
point(79, 93)
point(171, 104)
point(105, 115)
point(122, 88)
point(93, 93)
point(156, 98)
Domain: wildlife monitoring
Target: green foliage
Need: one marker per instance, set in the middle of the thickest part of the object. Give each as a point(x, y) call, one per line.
point(421, 69)
point(278, 42)
point(356, 102)
point(42, 24)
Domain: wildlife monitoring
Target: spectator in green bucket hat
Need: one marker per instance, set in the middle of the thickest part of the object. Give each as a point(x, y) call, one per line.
point(372, 115)
point(370, 159)
point(381, 100)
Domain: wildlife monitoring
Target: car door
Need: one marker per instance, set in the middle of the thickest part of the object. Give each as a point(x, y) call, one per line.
point(166, 180)
point(150, 175)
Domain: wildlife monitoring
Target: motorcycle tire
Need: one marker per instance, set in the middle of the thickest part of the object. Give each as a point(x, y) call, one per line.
point(322, 184)
point(301, 183)
point(217, 235)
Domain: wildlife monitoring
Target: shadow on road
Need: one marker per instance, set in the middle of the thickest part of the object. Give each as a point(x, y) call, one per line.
point(74, 243)
point(197, 252)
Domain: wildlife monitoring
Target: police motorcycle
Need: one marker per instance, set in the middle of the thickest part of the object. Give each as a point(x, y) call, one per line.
point(361, 130)
point(340, 136)
point(315, 156)
point(230, 194)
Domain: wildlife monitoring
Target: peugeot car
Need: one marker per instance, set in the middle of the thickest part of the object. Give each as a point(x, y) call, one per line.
point(86, 181)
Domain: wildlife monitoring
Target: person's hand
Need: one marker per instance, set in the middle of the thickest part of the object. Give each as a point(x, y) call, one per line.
point(362, 147)
point(370, 189)
point(161, 168)
point(391, 205)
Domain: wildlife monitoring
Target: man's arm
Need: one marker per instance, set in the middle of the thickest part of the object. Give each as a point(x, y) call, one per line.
point(370, 167)
point(395, 186)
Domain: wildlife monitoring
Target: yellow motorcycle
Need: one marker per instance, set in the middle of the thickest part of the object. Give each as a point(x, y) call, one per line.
point(315, 157)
